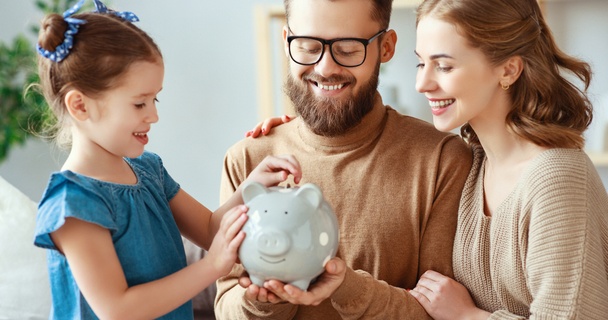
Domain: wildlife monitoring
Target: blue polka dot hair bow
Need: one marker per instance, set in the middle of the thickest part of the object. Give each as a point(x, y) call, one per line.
point(125, 15)
point(62, 50)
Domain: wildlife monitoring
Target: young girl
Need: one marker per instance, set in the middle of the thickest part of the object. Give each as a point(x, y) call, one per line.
point(113, 217)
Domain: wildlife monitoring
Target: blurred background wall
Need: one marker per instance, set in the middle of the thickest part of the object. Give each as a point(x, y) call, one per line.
point(209, 98)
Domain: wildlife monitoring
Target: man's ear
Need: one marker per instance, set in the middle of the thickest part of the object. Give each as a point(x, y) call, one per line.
point(285, 44)
point(387, 48)
point(511, 70)
point(76, 106)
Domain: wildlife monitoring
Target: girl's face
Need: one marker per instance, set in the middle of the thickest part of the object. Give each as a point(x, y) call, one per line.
point(458, 80)
point(122, 117)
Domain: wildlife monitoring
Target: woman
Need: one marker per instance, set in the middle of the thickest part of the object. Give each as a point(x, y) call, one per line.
point(532, 237)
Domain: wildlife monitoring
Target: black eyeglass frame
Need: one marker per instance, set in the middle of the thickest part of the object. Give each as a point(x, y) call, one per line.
point(329, 43)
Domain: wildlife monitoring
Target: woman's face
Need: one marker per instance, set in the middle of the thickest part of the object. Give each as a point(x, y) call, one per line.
point(457, 79)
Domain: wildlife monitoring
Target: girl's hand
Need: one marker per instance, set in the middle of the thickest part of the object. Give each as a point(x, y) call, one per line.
point(445, 298)
point(265, 126)
point(275, 169)
point(223, 252)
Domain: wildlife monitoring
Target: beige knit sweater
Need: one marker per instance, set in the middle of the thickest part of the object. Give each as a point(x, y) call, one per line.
point(544, 253)
point(394, 182)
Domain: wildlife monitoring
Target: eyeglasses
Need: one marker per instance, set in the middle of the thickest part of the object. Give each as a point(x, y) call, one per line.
point(347, 52)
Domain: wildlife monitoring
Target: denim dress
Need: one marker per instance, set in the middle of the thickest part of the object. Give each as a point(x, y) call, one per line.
point(145, 235)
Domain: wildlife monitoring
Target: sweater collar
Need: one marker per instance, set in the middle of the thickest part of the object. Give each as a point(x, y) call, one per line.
point(367, 130)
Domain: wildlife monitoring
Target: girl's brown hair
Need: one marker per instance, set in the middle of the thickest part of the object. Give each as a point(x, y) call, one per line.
point(548, 109)
point(104, 48)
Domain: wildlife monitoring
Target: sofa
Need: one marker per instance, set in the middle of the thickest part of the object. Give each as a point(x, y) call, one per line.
point(24, 284)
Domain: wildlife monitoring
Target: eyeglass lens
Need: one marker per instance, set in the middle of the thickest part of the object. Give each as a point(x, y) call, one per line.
point(345, 52)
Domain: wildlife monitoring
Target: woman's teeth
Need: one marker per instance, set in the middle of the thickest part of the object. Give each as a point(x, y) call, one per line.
point(441, 103)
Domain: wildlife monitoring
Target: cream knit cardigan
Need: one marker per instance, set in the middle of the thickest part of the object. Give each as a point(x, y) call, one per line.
point(544, 253)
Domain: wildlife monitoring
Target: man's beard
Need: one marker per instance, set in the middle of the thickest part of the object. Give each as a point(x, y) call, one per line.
point(331, 117)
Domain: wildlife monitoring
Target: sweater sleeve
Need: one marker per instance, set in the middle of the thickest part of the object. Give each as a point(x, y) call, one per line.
point(565, 260)
point(439, 229)
point(361, 296)
point(566, 226)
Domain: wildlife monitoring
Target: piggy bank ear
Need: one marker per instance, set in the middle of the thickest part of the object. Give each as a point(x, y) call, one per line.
point(251, 190)
point(310, 193)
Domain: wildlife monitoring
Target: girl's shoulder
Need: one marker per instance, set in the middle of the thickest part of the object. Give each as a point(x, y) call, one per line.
point(152, 174)
point(70, 195)
point(148, 160)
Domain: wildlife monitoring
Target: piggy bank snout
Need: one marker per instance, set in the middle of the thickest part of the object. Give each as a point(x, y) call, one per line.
point(273, 242)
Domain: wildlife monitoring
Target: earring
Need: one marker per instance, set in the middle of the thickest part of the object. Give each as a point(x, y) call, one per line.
point(505, 86)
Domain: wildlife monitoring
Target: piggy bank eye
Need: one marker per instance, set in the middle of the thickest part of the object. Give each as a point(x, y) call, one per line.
point(286, 212)
point(265, 211)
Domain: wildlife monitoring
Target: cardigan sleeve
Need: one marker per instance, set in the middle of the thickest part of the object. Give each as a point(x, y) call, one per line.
point(565, 261)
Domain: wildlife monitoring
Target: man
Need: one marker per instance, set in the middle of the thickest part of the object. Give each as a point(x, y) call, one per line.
point(393, 181)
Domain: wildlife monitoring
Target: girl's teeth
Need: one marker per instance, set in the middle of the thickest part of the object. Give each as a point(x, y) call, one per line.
point(441, 103)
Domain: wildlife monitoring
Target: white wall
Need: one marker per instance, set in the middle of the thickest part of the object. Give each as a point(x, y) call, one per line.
point(209, 97)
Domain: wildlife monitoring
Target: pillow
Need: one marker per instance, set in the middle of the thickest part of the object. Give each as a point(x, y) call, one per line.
point(24, 284)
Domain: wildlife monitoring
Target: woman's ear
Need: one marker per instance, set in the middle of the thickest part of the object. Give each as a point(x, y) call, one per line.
point(511, 70)
point(75, 104)
point(387, 48)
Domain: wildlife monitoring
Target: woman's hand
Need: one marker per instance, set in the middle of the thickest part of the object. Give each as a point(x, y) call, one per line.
point(445, 298)
point(265, 126)
point(275, 169)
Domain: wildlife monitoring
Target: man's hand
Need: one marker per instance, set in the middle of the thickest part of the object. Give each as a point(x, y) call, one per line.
point(323, 288)
point(255, 293)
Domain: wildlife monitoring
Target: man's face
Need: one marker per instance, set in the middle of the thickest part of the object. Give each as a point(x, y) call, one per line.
point(331, 98)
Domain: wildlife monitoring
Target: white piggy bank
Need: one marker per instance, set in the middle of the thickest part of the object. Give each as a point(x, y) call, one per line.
point(291, 233)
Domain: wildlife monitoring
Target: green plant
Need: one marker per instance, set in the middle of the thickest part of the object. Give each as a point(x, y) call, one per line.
point(23, 110)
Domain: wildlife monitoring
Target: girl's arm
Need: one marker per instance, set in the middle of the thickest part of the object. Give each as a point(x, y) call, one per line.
point(198, 224)
point(193, 219)
point(99, 275)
